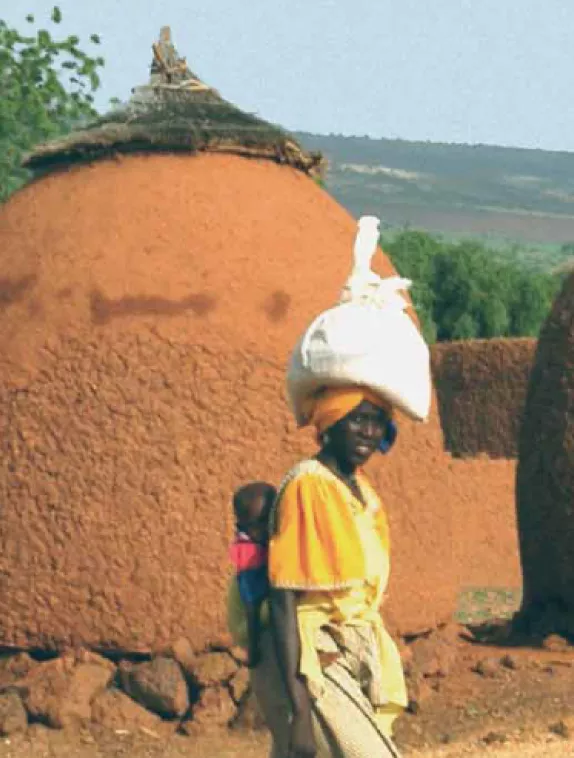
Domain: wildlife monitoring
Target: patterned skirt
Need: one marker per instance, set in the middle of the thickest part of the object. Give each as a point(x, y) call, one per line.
point(344, 722)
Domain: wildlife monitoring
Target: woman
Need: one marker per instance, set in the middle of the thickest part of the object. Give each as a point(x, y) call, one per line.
point(330, 682)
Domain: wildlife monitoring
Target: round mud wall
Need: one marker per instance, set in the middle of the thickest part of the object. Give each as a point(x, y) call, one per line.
point(148, 306)
point(485, 534)
point(545, 476)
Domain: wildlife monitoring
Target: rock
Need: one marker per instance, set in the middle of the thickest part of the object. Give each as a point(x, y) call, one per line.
point(159, 685)
point(222, 642)
point(44, 687)
point(494, 737)
point(182, 652)
point(214, 709)
point(561, 728)
point(38, 735)
point(212, 669)
point(239, 655)
point(13, 717)
point(487, 667)
point(406, 659)
point(555, 644)
point(511, 662)
point(59, 694)
point(404, 649)
point(14, 667)
point(239, 684)
point(87, 656)
point(85, 682)
point(419, 691)
point(433, 655)
point(248, 716)
point(113, 709)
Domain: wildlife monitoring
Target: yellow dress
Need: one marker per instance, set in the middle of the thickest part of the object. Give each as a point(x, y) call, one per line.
point(334, 551)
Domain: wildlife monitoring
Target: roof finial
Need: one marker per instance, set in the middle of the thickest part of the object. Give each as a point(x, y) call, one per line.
point(165, 34)
point(168, 69)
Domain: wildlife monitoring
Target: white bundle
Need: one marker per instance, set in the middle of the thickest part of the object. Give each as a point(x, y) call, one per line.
point(367, 339)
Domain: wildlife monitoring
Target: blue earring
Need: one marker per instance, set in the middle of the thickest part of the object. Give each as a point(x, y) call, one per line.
point(390, 437)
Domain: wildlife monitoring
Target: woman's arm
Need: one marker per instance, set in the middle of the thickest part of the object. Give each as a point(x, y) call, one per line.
point(285, 633)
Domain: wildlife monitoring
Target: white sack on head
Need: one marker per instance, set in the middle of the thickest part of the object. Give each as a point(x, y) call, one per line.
point(367, 339)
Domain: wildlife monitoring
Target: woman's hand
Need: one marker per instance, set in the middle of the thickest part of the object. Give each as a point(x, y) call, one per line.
point(285, 632)
point(301, 740)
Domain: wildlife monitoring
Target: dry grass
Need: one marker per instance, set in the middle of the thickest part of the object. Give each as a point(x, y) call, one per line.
point(479, 604)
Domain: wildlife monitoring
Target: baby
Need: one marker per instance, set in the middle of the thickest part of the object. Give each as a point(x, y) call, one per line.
point(252, 505)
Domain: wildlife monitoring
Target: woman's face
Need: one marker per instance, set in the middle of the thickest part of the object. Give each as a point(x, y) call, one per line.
point(354, 439)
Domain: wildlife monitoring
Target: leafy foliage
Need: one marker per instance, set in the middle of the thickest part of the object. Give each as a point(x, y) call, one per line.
point(46, 88)
point(462, 291)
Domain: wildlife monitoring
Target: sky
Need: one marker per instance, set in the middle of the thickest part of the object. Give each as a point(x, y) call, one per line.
point(467, 71)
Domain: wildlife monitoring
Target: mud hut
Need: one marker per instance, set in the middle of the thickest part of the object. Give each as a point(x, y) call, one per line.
point(155, 276)
point(545, 477)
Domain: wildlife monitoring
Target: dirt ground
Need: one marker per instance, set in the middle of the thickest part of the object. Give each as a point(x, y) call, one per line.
point(42, 744)
point(479, 699)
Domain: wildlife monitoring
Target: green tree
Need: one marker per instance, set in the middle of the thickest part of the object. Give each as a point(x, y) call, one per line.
point(413, 254)
point(494, 318)
point(531, 301)
point(46, 88)
point(464, 328)
point(463, 291)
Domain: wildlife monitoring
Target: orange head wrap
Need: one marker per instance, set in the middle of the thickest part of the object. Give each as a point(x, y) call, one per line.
point(334, 404)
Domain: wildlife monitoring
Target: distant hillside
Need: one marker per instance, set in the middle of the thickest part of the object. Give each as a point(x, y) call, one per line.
point(502, 194)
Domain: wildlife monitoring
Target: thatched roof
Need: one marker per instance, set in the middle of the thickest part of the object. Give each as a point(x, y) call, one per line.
point(174, 112)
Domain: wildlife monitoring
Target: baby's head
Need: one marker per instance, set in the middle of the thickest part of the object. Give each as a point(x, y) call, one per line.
point(252, 504)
